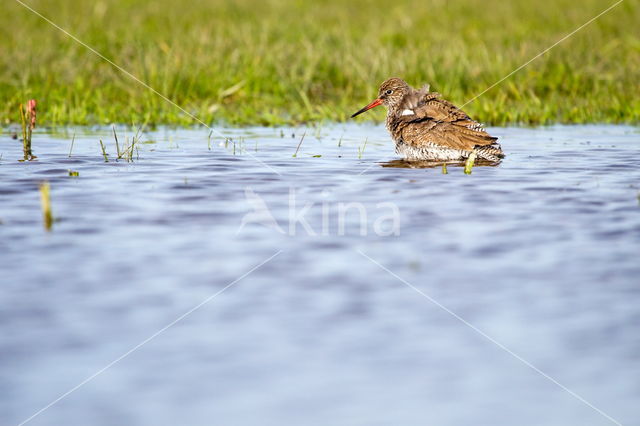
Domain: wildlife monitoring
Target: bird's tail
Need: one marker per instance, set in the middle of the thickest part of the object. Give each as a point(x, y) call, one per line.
point(491, 153)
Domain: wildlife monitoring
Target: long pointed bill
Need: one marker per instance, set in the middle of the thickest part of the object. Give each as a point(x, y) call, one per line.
point(368, 107)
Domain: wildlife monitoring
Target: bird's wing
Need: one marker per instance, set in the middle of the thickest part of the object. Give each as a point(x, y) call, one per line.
point(419, 131)
point(431, 105)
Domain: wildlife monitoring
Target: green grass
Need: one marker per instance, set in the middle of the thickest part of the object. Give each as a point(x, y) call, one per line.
point(282, 62)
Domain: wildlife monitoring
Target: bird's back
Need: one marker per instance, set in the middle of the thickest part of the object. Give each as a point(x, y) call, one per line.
point(426, 121)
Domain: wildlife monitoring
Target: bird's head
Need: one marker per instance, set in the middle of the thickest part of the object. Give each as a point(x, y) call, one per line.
point(390, 94)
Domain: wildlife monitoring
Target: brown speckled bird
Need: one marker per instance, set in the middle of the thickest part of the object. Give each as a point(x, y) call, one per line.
point(426, 127)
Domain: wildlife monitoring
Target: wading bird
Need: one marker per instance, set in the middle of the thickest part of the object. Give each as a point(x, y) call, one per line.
point(426, 127)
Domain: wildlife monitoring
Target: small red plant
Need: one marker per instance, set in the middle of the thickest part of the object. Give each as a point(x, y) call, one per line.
point(31, 113)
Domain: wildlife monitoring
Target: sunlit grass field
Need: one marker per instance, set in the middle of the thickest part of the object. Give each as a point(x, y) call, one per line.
point(280, 62)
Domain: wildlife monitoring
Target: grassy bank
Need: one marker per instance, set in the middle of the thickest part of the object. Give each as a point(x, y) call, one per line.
point(275, 62)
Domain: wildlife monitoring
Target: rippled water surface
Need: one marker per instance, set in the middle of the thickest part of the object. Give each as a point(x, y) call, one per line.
point(252, 287)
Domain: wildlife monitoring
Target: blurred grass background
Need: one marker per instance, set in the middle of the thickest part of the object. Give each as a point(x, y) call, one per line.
point(281, 62)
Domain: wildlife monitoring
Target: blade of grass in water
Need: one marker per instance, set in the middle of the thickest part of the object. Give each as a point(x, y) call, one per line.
point(361, 149)
point(119, 155)
point(295, 154)
point(104, 152)
point(45, 201)
point(73, 139)
point(24, 131)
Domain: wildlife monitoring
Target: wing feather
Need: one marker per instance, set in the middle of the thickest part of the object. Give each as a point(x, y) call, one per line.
point(418, 131)
point(432, 105)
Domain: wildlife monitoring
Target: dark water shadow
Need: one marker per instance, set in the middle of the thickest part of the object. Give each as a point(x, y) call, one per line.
point(423, 164)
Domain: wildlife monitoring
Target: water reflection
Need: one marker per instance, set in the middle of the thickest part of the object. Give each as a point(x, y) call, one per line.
point(425, 164)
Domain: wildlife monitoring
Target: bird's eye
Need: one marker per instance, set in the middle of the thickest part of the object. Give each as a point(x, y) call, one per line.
point(388, 92)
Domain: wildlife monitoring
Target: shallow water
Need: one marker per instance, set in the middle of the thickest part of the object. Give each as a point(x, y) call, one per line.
point(536, 258)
